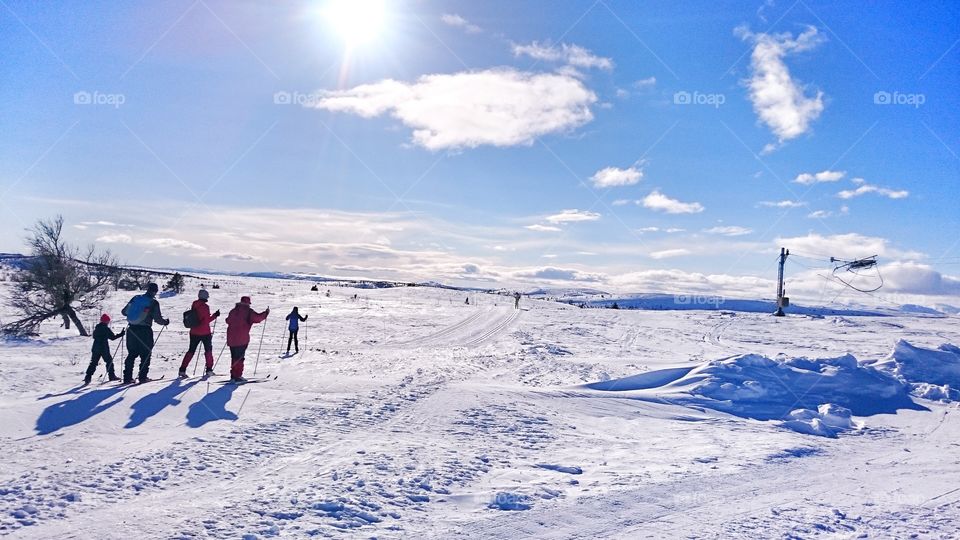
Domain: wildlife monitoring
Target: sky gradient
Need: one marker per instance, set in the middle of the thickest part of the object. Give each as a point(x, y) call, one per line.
point(627, 146)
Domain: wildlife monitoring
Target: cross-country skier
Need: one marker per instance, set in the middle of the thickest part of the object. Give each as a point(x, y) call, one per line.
point(239, 321)
point(102, 336)
point(201, 333)
point(516, 300)
point(141, 311)
point(295, 318)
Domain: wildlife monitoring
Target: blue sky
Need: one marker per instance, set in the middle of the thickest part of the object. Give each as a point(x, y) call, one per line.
point(464, 141)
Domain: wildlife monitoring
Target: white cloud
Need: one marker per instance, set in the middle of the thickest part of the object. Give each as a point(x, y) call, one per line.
point(452, 19)
point(543, 228)
point(573, 55)
point(614, 176)
point(558, 274)
point(820, 177)
point(780, 101)
point(669, 253)
point(843, 246)
point(913, 278)
point(660, 202)
point(498, 107)
point(865, 188)
point(731, 230)
point(241, 257)
point(677, 281)
point(115, 239)
point(669, 230)
point(572, 216)
point(783, 204)
point(821, 214)
point(645, 83)
point(171, 243)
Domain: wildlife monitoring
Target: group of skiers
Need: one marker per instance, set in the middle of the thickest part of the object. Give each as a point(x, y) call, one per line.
point(143, 310)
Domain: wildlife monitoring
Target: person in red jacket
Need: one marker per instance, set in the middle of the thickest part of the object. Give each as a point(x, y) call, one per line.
point(201, 333)
point(239, 322)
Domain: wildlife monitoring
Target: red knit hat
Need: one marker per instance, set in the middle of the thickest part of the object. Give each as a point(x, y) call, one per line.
point(105, 318)
point(245, 300)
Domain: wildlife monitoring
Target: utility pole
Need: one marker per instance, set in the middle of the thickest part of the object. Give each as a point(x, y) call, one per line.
point(782, 301)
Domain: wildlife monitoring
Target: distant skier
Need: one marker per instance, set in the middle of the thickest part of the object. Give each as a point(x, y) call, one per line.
point(516, 300)
point(239, 322)
point(467, 301)
point(200, 333)
point(294, 327)
point(141, 311)
point(102, 336)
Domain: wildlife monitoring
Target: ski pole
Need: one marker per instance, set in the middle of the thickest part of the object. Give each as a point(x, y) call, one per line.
point(262, 330)
point(115, 351)
point(162, 328)
point(219, 355)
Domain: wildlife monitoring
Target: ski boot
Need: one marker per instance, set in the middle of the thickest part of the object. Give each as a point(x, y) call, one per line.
point(182, 374)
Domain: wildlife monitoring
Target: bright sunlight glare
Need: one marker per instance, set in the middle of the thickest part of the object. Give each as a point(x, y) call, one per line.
point(356, 21)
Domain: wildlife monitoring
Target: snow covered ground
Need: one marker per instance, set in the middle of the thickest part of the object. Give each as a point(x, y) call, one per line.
point(410, 413)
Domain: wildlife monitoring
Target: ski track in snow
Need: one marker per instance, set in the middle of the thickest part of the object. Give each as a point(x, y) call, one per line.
point(471, 430)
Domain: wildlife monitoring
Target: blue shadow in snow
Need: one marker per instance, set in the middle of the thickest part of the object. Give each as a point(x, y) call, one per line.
point(151, 404)
point(212, 407)
point(76, 410)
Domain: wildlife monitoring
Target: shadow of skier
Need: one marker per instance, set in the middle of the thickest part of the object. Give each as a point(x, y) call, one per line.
point(77, 410)
point(211, 407)
point(151, 404)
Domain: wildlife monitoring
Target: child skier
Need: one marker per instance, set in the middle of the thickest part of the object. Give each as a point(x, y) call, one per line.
point(200, 333)
point(295, 319)
point(239, 322)
point(102, 336)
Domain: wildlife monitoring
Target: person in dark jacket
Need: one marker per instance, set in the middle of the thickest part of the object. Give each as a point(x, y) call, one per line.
point(239, 322)
point(295, 319)
point(201, 333)
point(102, 336)
point(140, 335)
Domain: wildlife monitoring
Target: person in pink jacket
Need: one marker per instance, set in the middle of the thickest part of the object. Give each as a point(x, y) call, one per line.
point(200, 333)
point(239, 322)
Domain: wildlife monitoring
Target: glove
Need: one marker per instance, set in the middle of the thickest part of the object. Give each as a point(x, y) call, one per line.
point(166, 322)
point(217, 314)
point(122, 333)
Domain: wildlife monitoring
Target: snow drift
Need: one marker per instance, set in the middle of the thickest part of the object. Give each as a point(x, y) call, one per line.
point(814, 396)
point(930, 373)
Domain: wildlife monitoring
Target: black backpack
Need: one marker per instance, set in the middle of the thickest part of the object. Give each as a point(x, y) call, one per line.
point(190, 318)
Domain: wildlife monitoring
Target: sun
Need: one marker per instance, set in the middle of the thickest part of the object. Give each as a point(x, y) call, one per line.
point(357, 22)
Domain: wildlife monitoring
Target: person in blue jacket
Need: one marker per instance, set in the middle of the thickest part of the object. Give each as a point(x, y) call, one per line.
point(295, 319)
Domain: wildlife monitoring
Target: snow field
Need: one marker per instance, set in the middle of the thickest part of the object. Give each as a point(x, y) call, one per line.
point(411, 413)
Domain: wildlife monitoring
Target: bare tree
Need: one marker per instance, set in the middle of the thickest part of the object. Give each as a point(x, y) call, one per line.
point(59, 280)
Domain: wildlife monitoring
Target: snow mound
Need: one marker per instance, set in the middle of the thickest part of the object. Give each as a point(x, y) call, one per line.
point(929, 373)
point(814, 396)
point(826, 421)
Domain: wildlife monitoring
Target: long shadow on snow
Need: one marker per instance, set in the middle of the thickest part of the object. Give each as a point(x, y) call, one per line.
point(151, 404)
point(212, 407)
point(76, 410)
